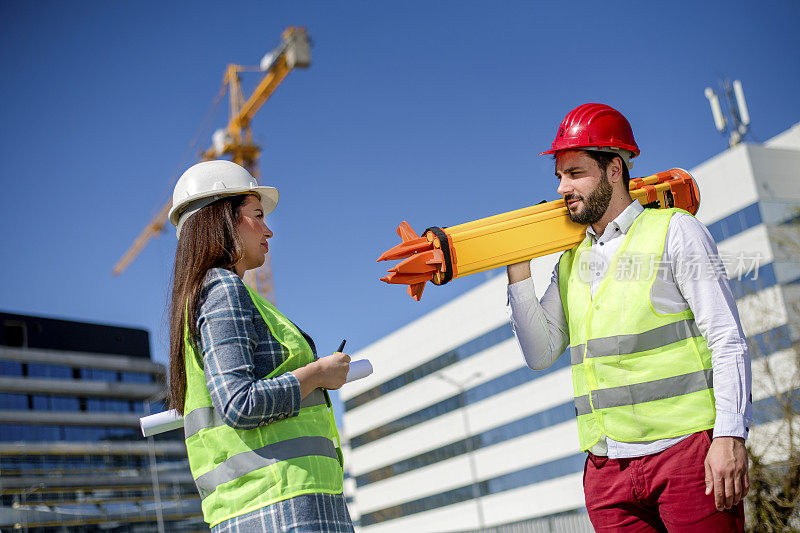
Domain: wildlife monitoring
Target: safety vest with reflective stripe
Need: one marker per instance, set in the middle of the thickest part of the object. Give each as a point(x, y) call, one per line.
point(637, 375)
point(240, 470)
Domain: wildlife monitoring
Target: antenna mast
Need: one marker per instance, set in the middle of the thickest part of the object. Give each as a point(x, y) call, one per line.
point(736, 108)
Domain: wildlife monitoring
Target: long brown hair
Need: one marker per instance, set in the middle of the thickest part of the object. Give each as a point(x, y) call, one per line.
point(209, 239)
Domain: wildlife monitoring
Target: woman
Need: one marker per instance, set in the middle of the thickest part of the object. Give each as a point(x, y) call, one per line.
point(262, 443)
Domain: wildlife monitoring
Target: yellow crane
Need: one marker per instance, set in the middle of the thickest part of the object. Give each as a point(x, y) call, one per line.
point(235, 141)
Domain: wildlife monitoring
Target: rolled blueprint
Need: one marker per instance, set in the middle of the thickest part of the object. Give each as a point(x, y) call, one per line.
point(160, 422)
point(169, 420)
point(358, 369)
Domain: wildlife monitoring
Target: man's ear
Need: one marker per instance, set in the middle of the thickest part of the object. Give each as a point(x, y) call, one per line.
point(614, 170)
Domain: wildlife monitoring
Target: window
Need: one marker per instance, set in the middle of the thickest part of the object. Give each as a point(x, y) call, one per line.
point(135, 377)
point(36, 370)
point(10, 368)
point(15, 334)
point(468, 349)
point(13, 401)
point(480, 392)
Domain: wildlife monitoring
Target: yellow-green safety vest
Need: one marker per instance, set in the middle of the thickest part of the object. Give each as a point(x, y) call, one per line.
point(240, 470)
point(637, 375)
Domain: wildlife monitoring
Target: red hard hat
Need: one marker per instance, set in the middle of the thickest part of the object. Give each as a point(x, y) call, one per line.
point(597, 125)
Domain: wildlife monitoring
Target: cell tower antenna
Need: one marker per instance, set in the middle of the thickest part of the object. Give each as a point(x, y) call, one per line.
point(735, 109)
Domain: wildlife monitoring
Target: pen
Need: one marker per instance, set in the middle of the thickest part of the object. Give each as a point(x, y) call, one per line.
point(341, 346)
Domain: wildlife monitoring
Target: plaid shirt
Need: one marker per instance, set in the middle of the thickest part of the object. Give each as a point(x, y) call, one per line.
point(238, 353)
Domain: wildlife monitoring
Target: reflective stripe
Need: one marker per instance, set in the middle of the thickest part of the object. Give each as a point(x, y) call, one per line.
point(201, 418)
point(246, 462)
point(649, 391)
point(207, 417)
point(314, 398)
point(576, 354)
point(582, 406)
point(640, 342)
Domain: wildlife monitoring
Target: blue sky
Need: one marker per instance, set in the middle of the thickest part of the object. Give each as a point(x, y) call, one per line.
point(431, 112)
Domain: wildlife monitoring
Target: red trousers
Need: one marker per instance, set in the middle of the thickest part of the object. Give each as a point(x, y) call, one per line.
point(660, 492)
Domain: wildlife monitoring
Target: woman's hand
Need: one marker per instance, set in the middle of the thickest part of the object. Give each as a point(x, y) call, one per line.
point(327, 372)
point(332, 370)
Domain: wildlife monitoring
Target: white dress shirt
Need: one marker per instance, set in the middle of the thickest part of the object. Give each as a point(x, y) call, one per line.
point(691, 277)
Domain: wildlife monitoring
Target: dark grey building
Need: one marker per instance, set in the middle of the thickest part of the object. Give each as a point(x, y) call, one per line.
point(72, 457)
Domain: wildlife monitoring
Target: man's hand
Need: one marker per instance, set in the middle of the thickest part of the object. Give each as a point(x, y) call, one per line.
point(518, 271)
point(726, 471)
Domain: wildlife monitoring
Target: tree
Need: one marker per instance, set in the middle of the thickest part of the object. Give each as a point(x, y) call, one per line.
point(770, 317)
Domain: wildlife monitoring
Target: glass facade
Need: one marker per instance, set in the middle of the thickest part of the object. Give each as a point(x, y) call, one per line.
point(54, 403)
point(776, 407)
point(84, 474)
point(770, 341)
point(735, 223)
point(98, 374)
point(520, 478)
point(517, 428)
point(38, 370)
point(13, 401)
point(10, 368)
point(468, 349)
point(475, 394)
point(23, 432)
point(46, 402)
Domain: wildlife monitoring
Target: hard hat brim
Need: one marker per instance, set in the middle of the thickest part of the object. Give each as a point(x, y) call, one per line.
point(268, 196)
point(634, 151)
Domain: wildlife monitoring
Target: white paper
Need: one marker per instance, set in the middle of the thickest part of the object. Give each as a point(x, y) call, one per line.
point(358, 370)
point(160, 422)
point(169, 420)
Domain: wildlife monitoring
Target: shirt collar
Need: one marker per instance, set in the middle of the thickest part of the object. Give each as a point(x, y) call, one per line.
point(623, 222)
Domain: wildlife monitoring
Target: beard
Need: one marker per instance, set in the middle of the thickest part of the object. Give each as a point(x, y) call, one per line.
point(595, 205)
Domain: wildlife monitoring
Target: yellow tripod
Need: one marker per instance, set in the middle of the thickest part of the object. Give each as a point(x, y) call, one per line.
point(441, 254)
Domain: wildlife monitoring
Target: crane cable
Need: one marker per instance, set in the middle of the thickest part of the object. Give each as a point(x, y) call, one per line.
point(201, 129)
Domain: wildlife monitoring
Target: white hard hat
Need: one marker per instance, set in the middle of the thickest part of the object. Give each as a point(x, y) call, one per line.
point(209, 181)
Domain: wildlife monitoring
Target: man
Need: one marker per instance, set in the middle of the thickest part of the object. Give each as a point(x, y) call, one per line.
point(660, 367)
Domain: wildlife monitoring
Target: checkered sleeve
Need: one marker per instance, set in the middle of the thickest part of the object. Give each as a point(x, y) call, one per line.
point(229, 340)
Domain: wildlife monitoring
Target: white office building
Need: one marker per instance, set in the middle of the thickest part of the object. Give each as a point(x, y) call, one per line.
point(454, 433)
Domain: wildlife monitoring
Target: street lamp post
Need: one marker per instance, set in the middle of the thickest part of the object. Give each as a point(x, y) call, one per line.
point(476, 495)
point(24, 511)
point(154, 474)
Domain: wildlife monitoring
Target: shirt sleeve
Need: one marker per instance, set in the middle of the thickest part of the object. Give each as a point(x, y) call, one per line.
point(539, 326)
point(228, 340)
point(700, 276)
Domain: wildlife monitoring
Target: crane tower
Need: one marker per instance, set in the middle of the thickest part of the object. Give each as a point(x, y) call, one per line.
point(235, 140)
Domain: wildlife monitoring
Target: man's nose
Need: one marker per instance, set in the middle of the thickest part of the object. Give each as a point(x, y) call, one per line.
point(564, 187)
